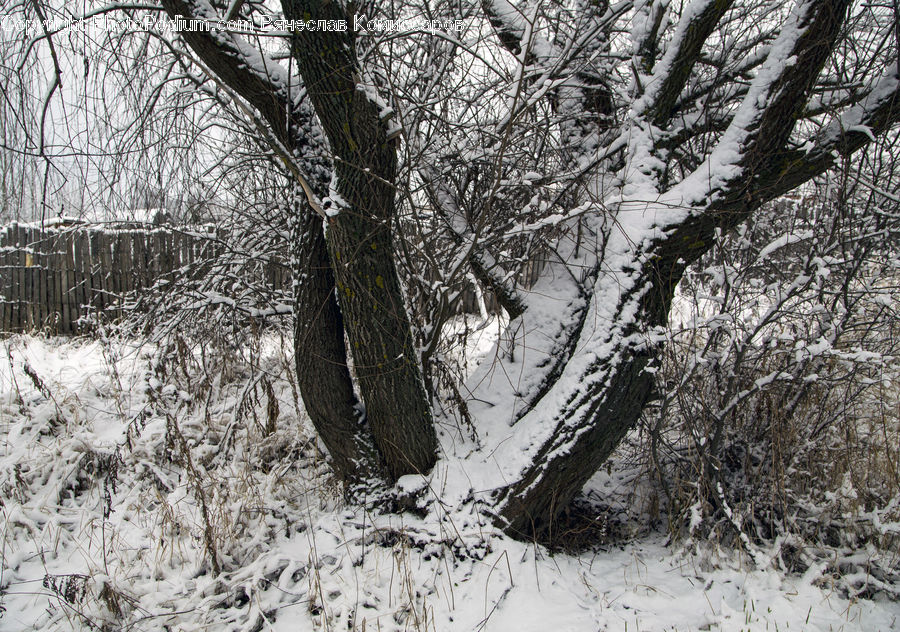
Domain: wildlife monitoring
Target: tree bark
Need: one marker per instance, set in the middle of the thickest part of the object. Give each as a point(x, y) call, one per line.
point(360, 241)
point(321, 360)
point(611, 391)
point(590, 425)
point(320, 353)
point(594, 361)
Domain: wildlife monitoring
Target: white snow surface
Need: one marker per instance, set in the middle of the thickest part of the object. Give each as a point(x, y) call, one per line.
point(293, 555)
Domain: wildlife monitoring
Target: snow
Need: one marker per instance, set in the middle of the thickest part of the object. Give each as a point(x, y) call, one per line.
point(782, 241)
point(883, 92)
point(335, 202)
point(689, 14)
point(724, 162)
point(294, 556)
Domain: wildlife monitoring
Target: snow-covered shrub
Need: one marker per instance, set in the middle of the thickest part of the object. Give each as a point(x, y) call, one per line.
point(239, 281)
point(777, 418)
point(148, 465)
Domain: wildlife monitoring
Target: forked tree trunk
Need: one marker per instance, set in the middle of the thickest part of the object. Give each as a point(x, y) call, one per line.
point(385, 361)
point(613, 385)
point(360, 249)
point(360, 242)
point(590, 397)
point(321, 359)
point(590, 430)
point(607, 402)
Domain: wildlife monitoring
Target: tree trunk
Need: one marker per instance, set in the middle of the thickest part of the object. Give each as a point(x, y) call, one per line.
point(321, 359)
point(359, 236)
point(585, 372)
point(611, 393)
point(385, 361)
point(595, 404)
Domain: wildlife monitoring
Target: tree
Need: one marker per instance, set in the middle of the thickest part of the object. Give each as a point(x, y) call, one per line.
point(614, 142)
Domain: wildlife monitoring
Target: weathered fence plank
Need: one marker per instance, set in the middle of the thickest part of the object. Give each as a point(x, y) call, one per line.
point(77, 279)
point(5, 273)
point(31, 293)
point(96, 272)
point(54, 248)
point(139, 269)
point(22, 237)
point(117, 277)
point(40, 267)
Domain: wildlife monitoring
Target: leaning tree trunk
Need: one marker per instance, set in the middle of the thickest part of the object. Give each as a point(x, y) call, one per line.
point(321, 358)
point(378, 330)
point(597, 396)
point(604, 397)
point(359, 235)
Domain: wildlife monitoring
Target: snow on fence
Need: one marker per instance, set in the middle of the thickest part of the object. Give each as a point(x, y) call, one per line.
point(62, 278)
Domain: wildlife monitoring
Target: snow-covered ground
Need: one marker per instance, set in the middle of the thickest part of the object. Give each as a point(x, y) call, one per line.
point(124, 484)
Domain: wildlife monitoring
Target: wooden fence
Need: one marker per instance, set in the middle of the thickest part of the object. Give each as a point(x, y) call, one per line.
point(63, 278)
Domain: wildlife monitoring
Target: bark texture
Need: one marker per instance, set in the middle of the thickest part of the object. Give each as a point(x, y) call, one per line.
point(750, 112)
point(591, 426)
point(595, 418)
point(320, 354)
point(321, 360)
point(360, 242)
